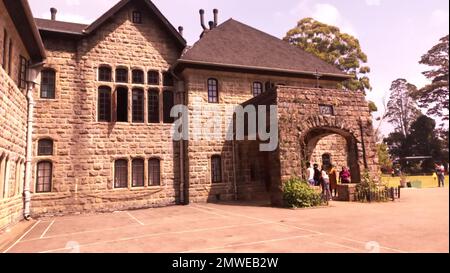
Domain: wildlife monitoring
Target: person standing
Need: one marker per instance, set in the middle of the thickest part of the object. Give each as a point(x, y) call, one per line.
point(345, 176)
point(326, 184)
point(333, 180)
point(317, 175)
point(310, 174)
point(440, 173)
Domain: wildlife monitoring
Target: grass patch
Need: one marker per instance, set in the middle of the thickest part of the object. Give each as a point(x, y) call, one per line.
point(426, 181)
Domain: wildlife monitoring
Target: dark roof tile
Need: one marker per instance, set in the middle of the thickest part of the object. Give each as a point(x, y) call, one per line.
point(59, 26)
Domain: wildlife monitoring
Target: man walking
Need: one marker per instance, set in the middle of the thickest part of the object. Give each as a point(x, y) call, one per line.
point(440, 173)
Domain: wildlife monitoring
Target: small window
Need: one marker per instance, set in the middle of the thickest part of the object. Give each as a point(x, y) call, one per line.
point(10, 52)
point(23, 72)
point(121, 174)
point(44, 177)
point(167, 79)
point(137, 17)
point(138, 173)
point(153, 106)
point(326, 110)
point(48, 78)
point(168, 103)
point(216, 169)
point(257, 89)
point(104, 104)
point(104, 74)
point(122, 75)
point(153, 77)
point(213, 91)
point(154, 172)
point(122, 104)
point(5, 48)
point(138, 76)
point(138, 105)
point(45, 147)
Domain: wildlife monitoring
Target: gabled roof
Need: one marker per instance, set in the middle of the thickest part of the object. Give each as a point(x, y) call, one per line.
point(236, 45)
point(21, 15)
point(80, 29)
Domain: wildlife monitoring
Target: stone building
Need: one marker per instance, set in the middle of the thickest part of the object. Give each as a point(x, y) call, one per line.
point(103, 132)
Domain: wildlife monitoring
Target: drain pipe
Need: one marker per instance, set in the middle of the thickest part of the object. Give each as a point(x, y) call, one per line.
point(33, 72)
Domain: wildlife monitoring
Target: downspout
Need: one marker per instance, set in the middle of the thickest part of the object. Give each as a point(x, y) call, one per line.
point(33, 71)
point(234, 171)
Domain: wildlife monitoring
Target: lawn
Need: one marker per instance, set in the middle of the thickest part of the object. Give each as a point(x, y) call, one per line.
point(426, 181)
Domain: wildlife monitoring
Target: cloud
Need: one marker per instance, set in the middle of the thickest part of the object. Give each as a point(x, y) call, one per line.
point(329, 14)
point(373, 2)
point(439, 18)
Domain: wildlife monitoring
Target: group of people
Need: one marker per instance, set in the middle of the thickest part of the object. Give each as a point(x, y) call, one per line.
point(327, 178)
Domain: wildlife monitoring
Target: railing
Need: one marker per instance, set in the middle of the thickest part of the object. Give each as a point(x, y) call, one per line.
point(380, 195)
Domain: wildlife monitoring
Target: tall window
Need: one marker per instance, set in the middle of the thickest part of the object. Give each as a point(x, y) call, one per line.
point(44, 177)
point(138, 105)
point(45, 147)
point(153, 106)
point(122, 75)
point(48, 77)
point(122, 104)
point(5, 49)
point(167, 79)
point(154, 172)
point(213, 91)
point(168, 102)
point(257, 89)
point(138, 76)
point(2, 173)
point(138, 173)
point(137, 17)
point(121, 174)
point(23, 72)
point(104, 74)
point(153, 77)
point(216, 169)
point(10, 52)
point(104, 104)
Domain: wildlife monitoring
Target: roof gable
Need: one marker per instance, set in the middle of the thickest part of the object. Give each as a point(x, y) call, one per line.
point(236, 44)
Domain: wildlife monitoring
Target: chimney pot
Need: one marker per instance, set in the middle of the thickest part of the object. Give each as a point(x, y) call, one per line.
point(202, 19)
point(180, 30)
point(53, 12)
point(216, 17)
point(211, 24)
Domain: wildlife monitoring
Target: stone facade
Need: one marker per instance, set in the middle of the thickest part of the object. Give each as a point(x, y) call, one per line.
point(85, 149)
point(13, 120)
point(333, 145)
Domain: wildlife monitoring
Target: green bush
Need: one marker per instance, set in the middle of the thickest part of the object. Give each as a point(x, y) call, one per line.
point(299, 194)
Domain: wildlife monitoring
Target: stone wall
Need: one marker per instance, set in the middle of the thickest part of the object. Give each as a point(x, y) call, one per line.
point(13, 121)
point(336, 146)
point(84, 149)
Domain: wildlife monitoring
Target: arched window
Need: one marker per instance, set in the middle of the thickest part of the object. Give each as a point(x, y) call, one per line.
point(153, 77)
point(138, 105)
point(122, 104)
point(137, 76)
point(138, 173)
point(216, 169)
point(44, 177)
point(213, 91)
point(257, 89)
point(121, 174)
point(168, 103)
point(154, 172)
point(167, 79)
point(153, 106)
point(48, 83)
point(45, 147)
point(104, 104)
point(122, 75)
point(105, 74)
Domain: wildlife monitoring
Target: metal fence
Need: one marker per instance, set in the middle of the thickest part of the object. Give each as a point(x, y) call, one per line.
point(379, 195)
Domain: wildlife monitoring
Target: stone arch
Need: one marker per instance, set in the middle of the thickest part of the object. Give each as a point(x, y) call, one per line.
point(316, 128)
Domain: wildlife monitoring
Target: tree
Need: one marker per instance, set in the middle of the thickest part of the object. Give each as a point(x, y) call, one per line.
point(329, 44)
point(435, 96)
point(397, 145)
point(384, 158)
point(401, 109)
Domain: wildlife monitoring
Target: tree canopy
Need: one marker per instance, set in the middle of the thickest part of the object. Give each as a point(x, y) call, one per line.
point(337, 48)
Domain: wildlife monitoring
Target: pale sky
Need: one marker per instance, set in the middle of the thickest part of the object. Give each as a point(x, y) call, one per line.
point(393, 33)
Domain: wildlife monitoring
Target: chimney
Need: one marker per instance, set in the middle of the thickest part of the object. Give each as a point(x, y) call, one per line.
point(211, 24)
point(53, 11)
point(216, 17)
point(202, 19)
point(180, 30)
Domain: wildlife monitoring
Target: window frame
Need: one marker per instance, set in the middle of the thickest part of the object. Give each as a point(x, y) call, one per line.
point(149, 77)
point(104, 96)
point(152, 173)
point(51, 93)
point(154, 117)
point(42, 145)
point(121, 184)
point(134, 75)
point(216, 178)
point(213, 90)
point(22, 79)
point(136, 17)
point(119, 89)
point(118, 79)
point(102, 68)
point(10, 55)
point(48, 176)
point(167, 119)
point(5, 48)
point(255, 86)
point(141, 173)
point(138, 106)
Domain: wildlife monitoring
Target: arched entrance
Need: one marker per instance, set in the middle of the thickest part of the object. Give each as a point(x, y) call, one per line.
point(328, 145)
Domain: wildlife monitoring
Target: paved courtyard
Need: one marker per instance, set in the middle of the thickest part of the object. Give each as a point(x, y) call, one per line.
point(419, 222)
